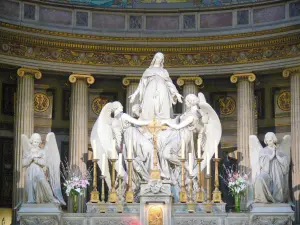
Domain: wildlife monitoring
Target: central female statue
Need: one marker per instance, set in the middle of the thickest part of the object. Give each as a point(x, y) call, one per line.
point(156, 91)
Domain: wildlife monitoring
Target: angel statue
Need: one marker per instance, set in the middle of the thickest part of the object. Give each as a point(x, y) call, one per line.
point(156, 91)
point(270, 168)
point(111, 124)
point(42, 176)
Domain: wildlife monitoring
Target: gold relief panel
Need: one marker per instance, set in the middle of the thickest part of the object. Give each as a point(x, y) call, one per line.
point(155, 215)
point(225, 104)
point(284, 101)
point(41, 102)
point(98, 103)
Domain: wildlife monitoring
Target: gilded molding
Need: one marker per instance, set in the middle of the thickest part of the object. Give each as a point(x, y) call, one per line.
point(89, 78)
point(291, 71)
point(197, 80)
point(128, 80)
point(235, 77)
point(88, 53)
point(148, 39)
point(23, 71)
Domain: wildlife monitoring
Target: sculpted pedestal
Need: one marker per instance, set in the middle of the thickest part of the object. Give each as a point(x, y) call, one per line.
point(37, 214)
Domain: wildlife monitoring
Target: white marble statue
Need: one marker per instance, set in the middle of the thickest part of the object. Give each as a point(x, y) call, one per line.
point(42, 176)
point(270, 168)
point(111, 124)
point(156, 91)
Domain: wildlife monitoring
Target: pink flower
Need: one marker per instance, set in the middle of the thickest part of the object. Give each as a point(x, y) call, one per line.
point(235, 175)
point(246, 177)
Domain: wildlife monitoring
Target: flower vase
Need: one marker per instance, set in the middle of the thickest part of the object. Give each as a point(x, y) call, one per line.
point(75, 203)
point(237, 203)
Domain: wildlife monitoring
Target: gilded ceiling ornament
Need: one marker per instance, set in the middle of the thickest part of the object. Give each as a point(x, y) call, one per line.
point(41, 102)
point(29, 71)
point(197, 80)
point(250, 76)
point(89, 78)
point(97, 104)
point(284, 101)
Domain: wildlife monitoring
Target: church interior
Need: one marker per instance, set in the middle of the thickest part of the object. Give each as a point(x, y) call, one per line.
point(63, 63)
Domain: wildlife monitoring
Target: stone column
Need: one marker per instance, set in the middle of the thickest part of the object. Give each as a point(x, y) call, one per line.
point(131, 83)
point(24, 124)
point(78, 140)
point(190, 86)
point(294, 74)
point(245, 117)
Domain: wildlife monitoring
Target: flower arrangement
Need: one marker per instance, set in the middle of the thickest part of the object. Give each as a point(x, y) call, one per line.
point(75, 182)
point(237, 184)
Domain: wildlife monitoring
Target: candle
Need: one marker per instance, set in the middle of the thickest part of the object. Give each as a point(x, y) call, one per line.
point(120, 164)
point(216, 151)
point(95, 155)
point(129, 155)
point(199, 148)
point(103, 164)
point(191, 163)
point(208, 164)
point(113, 155)
point(182, 149)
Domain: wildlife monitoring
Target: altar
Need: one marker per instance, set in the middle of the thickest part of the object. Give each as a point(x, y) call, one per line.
point(153, 165)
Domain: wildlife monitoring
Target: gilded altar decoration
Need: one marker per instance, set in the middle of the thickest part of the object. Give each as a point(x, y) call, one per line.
point(155, 215)
point(284, 101)
point(41, 102)
point(227, 105)
point(97, 104)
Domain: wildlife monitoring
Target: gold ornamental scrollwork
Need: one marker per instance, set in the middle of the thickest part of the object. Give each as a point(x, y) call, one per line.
point(89, 78)
point(128, 80)
point(235, 77)
point(291, 71)
point(23, 71)
point(181, 80)
point(227, 105)
point(41, 102)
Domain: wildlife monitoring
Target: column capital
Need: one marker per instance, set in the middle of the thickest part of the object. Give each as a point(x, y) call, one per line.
point(89, 78)
point(130, 79)
point(196, 79)
point(291, 71)
point(235, 77)
point(23, 71)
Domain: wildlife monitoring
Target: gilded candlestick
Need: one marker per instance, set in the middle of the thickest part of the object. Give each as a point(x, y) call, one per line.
point(182, 193)
point(95, 192)
point(190, 204)
point(208, 182)
point(200, 193)
point(217, 197)
point(129, 196)
point(113, 193)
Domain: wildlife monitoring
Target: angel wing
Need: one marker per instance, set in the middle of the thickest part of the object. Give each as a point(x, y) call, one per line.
point(52, 158)
point(25, 144)
point(104, 131)
point(285, 146)
point(213, 128)
point(255, 147)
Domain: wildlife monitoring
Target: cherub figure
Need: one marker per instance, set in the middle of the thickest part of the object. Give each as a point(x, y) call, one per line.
point(42, 176)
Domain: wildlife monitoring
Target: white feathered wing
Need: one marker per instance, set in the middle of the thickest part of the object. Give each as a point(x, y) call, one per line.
point(52, 159)
point(213, 130)
point(254, 147)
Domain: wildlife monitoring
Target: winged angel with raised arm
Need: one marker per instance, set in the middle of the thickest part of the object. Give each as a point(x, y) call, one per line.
point(42, 176)
point(270, 168)
point(111, 124)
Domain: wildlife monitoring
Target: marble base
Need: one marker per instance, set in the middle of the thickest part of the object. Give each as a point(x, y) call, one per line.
point(275, 214)
point(36, 214)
